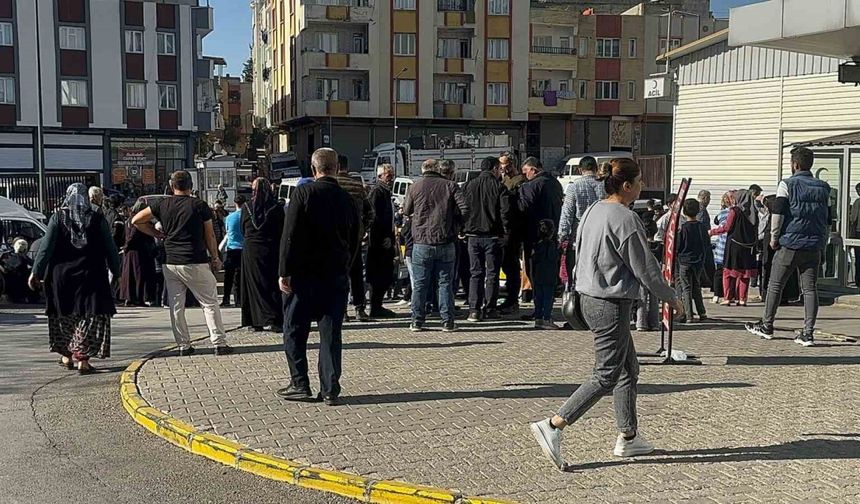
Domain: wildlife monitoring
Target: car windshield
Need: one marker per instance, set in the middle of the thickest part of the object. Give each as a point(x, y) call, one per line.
point(369, 161)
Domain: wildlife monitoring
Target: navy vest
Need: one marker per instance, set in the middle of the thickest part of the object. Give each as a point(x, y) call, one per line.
point(807, 225)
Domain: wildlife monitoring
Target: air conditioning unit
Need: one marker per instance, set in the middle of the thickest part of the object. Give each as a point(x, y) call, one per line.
point(849, 73)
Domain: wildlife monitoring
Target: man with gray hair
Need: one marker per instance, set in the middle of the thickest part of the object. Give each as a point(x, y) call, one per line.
point(437, 208)
point(319, 245)
point(380, 245)
point(447, 168)
point(704, 201)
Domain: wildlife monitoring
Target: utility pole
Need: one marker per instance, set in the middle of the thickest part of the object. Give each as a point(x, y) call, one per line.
point(394, 106)
point(40, 144)
point(328, 103)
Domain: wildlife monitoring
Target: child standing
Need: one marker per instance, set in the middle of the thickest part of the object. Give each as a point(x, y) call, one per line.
point(545, 266)
point(693, 247)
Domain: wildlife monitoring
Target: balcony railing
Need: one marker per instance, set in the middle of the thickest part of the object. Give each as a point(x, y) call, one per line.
point(561, 95)
point(455, 5)
point(554, 50)
point(340, 3)
point(340, 50)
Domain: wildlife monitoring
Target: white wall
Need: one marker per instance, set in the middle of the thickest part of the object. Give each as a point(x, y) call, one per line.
point(29, 98)
point(150, 55)
point(106, 50)
point(50, 86)
point(186, 71)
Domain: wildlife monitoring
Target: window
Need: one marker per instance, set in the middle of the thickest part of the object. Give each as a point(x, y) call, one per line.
point(499, 7)
point(563, 86)
point(167, 97)
point(454, 48)
point(7, 90)
point(583, 90)
point(166, 44)
point(674, 44)
point(631, 90)
point(454, 92)
point(5, 34)
point(631, 48)
point(497, 49)
point(405, 91)
point(135, 95)
point(608, 48)
point(359, 43)
point(564, 42)
point(404, 44)
point(326, 42)
point(74, 93)
point(542, 41)
point(133, 41)
point(359, 90)
point(583, 47)
point(73, 37)
point(541, 85)
point(328, 89)
point(404, 4)
point(497, 93)
point(606, 90)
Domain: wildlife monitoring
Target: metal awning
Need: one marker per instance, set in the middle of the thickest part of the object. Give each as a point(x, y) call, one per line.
point(832, 141)
point(822, 27)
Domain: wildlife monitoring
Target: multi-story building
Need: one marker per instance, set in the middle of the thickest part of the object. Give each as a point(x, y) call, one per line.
point(237, 110)
point(105, 92)
point(261, 56)
point(342, 70)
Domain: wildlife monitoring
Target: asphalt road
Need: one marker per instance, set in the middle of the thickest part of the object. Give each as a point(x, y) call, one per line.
point(66, 437)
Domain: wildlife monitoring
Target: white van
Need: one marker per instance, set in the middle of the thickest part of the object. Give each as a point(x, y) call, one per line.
point(18, 222)
point(571, 168)
point(288, 185)
point(398, 190)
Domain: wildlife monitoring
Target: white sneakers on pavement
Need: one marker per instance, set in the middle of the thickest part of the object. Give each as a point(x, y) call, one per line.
point(636, 446)
point(549, 440)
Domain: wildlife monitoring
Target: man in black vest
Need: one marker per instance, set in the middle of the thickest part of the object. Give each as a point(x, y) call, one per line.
point(320, 242)
point(380, 242)
point(800, 223)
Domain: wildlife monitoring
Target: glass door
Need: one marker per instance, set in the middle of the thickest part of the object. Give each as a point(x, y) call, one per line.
point(852, 228)
point(829, 167)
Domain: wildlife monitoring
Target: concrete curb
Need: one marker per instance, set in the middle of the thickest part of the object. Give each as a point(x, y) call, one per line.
point(242, 457)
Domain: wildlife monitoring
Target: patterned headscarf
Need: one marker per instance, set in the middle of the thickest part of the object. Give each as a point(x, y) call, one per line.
point(262, 200)
point(744, 202)
point(77, 213)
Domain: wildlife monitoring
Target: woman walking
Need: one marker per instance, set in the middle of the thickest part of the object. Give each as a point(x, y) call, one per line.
point(740, 266)
point(137, 283)
point(613, 261)
point(74, 260)
point(262, 225)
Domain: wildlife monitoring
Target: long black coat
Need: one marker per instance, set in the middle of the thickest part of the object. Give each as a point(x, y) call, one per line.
point(260, 293)
point(380, 248)
point(540, 198)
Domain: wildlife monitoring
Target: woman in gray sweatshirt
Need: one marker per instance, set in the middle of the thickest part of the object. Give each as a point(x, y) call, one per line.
point(613, 261)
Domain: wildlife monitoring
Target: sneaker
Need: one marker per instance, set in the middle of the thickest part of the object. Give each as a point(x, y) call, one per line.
point(633, 447)
point(759, 329)
point(223, 350)
point(273, 328)
point(805, 338)
point(474, 317)
point(294, 393)
point(715, 300)
point(403, 302)
point(416, 327)
point(361, 315)
point(703, 318)
point(549, 440)
point(449, 326)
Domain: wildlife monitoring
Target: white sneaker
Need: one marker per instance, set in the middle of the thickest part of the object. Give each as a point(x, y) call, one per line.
point(636, 446)
point(403, 302)
point(715, 300)
point(549, 440)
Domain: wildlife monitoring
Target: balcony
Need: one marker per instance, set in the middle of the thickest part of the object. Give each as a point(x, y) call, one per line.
point(347, 11)
point(337, 108)
point(551, 102)
point(553, 58)
point(203, 20)
point(455, 5)
point(455, 66)
point(443, 110)
point(318, 60)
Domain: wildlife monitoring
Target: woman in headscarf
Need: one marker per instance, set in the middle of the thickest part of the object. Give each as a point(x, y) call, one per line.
point(726, 203)
point(74, 260)
point(741, 230)
point(136, 285)
point(262, 225)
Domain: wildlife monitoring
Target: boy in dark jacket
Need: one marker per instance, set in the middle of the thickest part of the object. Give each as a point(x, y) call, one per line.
point(693, 249)
point(544, 268)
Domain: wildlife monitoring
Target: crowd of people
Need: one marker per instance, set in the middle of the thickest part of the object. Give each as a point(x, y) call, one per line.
point(287, 265)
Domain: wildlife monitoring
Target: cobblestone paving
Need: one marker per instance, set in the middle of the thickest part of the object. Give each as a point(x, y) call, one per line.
point(760, 421)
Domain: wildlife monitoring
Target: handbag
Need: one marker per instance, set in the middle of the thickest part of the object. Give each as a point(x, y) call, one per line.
point(572, 307)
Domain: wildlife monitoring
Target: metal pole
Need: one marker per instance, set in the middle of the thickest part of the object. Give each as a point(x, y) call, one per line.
point(394, 94)
point(330, 134)
point(668, 38)
point(40, 155)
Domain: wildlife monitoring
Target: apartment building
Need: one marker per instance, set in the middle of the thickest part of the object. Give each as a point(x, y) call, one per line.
point(235, 98)
point(106, 92)
point(342, 70)
point(261, 56)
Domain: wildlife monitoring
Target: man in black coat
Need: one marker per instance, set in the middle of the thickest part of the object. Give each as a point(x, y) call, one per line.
point(321, 238)
point(540, 198)
point(488, 223)
point(380, 245)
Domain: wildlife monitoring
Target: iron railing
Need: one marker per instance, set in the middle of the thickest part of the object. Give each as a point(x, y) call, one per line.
point(554, 50)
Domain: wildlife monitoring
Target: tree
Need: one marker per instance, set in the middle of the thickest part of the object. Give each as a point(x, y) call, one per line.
point(230, 137)
point(248, 70)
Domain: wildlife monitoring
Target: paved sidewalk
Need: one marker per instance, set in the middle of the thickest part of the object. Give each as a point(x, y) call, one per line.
point(761, 421)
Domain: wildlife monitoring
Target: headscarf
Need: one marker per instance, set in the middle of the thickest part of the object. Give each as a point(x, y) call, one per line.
point(77, 213)
point(262, 200)
point(744, 203)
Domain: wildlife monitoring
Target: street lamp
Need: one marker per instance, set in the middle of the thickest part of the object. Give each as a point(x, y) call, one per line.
point(328, 103)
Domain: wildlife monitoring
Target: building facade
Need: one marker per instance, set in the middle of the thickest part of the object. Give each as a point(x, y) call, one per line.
point(117, 89)
point(236, 101)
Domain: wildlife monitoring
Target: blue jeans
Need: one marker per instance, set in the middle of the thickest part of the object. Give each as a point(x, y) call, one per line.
point(544, 296)
point(428, 263)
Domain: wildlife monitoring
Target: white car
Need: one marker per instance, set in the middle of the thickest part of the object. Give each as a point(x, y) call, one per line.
point(18, 222)
point(398, 190)
point(571, 168)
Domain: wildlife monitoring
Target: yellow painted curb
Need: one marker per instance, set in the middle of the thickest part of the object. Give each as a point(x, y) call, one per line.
point(241, 457)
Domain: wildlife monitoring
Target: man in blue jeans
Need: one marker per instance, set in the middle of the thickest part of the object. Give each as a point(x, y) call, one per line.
point(437, 208)
point(799, 228)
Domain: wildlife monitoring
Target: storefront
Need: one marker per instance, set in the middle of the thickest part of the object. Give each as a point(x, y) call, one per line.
point(142, 165)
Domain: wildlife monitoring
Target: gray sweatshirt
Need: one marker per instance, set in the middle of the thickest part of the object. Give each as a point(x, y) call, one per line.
point(613, 257)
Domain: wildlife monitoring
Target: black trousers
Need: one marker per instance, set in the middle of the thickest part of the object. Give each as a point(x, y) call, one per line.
point(322, 300)
point(511, 268)
point(232, 275)
point(356, 282)
point(485, 258)
point(463, 267)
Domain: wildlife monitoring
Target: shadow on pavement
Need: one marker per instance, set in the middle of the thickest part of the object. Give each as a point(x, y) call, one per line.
point(794, 360)
point(794, 450)
point(360, 345)
point(540, 391)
